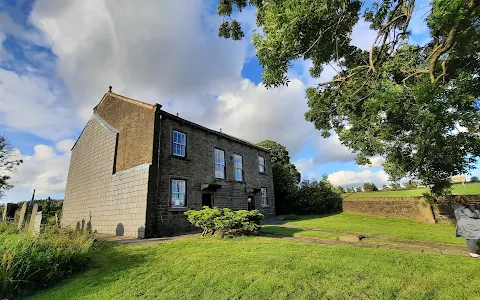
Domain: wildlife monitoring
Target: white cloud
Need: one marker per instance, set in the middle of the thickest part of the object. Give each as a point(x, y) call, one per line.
point(362, 36)
point(45, 171)
point(3, 36)
point(255, 113)
point(375, 162)
point(303, 165)
point(354, 179)
point(65, 146)
point(10, 27)
point(157, 51)
point(31, 104)
point(331, 149)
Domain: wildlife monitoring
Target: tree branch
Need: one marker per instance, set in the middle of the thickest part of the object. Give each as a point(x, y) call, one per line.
point(447, 45)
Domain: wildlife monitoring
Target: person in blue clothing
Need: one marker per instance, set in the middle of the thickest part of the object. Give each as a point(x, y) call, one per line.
point(468, 224)
point(250, 204)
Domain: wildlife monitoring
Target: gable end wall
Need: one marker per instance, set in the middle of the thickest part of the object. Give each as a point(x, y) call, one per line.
point(96, 199)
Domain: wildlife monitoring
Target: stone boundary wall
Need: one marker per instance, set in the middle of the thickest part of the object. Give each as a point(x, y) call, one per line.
point(408, 208)
point(95, 198)
point(414, 208)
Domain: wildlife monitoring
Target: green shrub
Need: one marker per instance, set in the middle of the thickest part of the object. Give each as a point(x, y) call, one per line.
point(225, 221)
point(317, 197)
point(30, 262)
point(291, 217)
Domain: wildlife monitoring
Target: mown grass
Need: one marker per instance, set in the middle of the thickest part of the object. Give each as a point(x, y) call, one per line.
point(391, 227)
point(285, 231)
point(267, 268)
point(457, 189)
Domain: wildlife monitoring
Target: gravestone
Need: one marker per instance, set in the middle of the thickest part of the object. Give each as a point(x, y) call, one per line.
point(21, 219)
point(33, 216)
point(9, 211)
point(57, 220)
point(4, 212)
point(37, 227)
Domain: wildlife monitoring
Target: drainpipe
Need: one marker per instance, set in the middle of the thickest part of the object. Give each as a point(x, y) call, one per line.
point(157, 189)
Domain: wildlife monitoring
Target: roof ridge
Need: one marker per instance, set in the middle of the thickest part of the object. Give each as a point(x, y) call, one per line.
point(128, 99)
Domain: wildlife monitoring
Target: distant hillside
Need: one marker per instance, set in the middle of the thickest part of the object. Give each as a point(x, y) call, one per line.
point(457, 189)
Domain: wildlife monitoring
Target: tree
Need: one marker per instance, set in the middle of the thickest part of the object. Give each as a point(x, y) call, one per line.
point(396, 186)
point(285, 188)
point(285, 177)
point(415, 105)
point(411, 184)
point(474, 179)
point(341, 189)
point(359, 189)
point(9, 161)
point(369, 187)
point(317, 197)
point(279, 154)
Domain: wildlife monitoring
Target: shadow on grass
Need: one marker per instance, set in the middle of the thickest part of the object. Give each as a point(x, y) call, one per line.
point(282, 231)
point(309, 217)
point(108, 262)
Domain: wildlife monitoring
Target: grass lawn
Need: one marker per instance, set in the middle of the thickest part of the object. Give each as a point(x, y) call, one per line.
point(457, 189)
point(285, 231)
point(267, 268)
point(397, 228)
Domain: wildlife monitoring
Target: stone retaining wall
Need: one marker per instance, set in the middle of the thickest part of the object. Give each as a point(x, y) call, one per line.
point(406, 207)
point(410, 208)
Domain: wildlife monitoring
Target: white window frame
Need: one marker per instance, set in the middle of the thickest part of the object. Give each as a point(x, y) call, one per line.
point(261, 164)
point(263, 192)
point(179, 188)
point(238, 166)
point(219, 163)
point(181, 145)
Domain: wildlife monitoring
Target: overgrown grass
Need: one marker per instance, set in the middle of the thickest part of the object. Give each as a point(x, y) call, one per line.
point(29, 262)
point(397, 228)
point(457, 189)
point(267, 268)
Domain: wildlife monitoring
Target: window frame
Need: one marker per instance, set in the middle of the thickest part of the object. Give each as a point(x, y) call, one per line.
point(235, 167)
point(263, 158)
point(174, 143)
point(215, 164)
point(264, 204)
point(172, 193)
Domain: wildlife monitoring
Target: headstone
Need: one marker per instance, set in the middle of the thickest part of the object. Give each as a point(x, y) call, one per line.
point(9, 211)
point(21, 219)
point(57, 220)
point(4, 212)
point(37, 227)
point(33, 216)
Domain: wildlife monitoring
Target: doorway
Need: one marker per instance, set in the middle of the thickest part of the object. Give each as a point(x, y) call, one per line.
point(207, 200)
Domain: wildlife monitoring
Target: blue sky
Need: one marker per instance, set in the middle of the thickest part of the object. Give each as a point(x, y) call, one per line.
point(57, 59)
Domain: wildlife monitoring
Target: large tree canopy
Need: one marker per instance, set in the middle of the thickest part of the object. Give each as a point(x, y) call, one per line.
point(415, 105)
point(279, 155)
point(8, 163)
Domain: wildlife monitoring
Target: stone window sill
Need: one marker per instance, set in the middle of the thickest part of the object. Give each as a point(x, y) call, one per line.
point(180, 209)
point(262, 173)
point(265, 206)
point(180, 157)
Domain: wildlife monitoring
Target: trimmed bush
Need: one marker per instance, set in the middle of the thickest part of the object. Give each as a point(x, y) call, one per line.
point(291, 217)
point(29, 262)
point(225, 221)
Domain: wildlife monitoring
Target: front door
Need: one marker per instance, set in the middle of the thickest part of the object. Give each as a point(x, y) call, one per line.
point(207, 200)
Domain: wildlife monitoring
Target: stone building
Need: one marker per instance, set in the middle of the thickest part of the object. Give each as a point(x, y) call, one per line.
point(135, 170)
